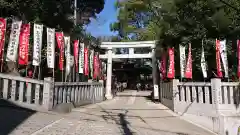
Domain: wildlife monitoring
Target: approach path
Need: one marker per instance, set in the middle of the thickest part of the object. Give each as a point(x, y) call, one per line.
point(130, 113)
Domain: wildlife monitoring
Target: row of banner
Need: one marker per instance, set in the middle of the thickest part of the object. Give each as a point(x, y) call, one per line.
point(18, 49)
point(186, 66)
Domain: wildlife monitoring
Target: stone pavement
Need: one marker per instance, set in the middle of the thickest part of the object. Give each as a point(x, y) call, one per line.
point(131, 113)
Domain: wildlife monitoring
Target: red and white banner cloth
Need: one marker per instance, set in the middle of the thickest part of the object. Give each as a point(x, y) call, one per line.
point(37, 44)
point(67, 54)
point(60, 43)
point(218, 60)
point(76, 53)
point(163, 66)
point(96, 64)
point(86, 62)
point(12, 49)
point(91, 62)
point(223, 52)
point(3, 24)
point(51, 48)
point(81, 58)
point(188, 72)
point(203, 63)
point(24, 44)
point(182, 60)
point(171, 68)
point(238, 57)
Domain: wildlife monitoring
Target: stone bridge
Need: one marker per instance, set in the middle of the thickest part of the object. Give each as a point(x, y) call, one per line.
point(130, 113)
point(187, 108)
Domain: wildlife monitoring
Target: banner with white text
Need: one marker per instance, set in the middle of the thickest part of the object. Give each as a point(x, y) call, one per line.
point(188, 72)
point(203, 64)
point(223, 52)
point(12, 49)
point(37, 44)
point(50, 48)
point(3, 24)
point(81, 58)
point(182, 60)
point(24, 44)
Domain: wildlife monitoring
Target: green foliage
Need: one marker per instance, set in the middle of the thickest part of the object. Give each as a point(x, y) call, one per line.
point(52, 13)
point(174, 22)
point(56, 14)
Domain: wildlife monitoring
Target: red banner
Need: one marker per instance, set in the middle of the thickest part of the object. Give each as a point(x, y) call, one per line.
point(238, 56)
point(75, 51)
point(60, 43)
point(24, 44)
point(188, 72)
point(163, 67)
point(218, 61)
point(95, 67)
point(86, 68)
point(3, 24)
point(171, 68)
point(98, 66)
point(100, 70)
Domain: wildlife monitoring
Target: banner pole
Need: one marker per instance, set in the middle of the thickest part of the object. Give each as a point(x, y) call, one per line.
point(26, 71)
point(34, 72)
point(2, 60)
point(3, 48)
point(39, 71)
point(62, 76)
point(53, 74)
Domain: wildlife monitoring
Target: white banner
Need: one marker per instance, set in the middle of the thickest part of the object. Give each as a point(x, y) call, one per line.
point(12, 49)
point(81, 58)
point(37, 44)
point(50, 48)
point(203, 64)
point(91, 61)
point(182, 60)
point(223, 52)
point(67, 54)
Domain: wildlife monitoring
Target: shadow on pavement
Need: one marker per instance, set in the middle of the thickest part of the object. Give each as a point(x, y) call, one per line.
point(122, 119)
point(11, 116)
point(124, 123)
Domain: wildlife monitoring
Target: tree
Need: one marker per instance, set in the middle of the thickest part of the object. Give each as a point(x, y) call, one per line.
point(175, 22)
point(52, 13)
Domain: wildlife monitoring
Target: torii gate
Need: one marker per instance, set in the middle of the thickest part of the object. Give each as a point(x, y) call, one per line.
point(109, 55)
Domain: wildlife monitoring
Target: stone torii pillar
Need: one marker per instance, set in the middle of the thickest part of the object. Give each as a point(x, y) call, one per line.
point(155, 75)
point(108, 94)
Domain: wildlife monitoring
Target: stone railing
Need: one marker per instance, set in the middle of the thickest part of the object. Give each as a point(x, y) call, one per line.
point(78, 93)
point(46, 94)
point(210, 104)
point(22, 91)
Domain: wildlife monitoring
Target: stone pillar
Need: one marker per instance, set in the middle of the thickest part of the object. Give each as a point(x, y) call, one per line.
point(216, 93)
point(109, 76)
point(217, 102)
point(48, 93)
point(154, 75)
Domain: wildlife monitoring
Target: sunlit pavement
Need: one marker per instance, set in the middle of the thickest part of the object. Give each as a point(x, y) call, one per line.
point(130, 113)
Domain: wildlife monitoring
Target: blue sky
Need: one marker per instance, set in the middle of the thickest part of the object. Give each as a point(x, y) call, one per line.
point(100, 26)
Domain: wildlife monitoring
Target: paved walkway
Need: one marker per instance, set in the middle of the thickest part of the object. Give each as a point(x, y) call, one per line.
point(131, 113)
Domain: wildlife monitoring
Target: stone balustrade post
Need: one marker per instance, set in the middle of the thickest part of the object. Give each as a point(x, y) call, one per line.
point(175, 93)
point(102, 90)
point(216, 93)
point(217, 101)
point(48, 88)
